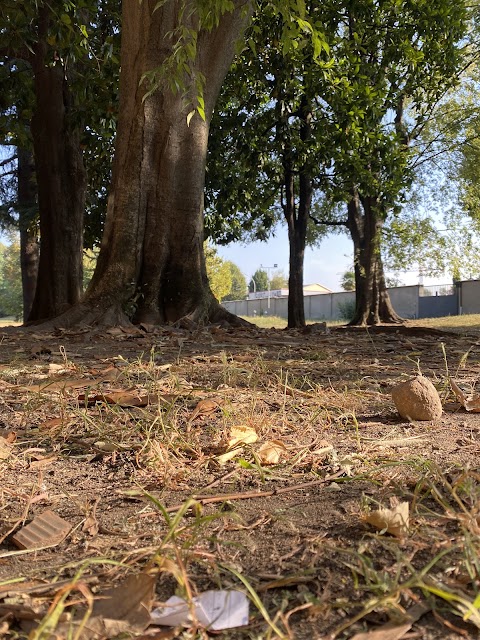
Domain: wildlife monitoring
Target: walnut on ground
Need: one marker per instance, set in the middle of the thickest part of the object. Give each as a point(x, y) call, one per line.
point(417, 399)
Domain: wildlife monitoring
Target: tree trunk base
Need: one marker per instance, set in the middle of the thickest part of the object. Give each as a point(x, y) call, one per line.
point(361, 321)
point(85, 314)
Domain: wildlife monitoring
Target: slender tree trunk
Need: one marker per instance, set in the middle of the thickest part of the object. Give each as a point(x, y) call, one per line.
point(61, 181)
point(151, 263)
point(28, 226)
point(297, 220)
point(372, 302)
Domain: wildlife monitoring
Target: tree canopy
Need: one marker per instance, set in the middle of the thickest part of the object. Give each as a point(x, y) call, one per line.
point(325, 98)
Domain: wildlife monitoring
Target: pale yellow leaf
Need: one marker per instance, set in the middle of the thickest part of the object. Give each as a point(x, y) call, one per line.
point(229, 455)
point(270, 452)
point(394, 520)
point(5, 448)
point(242, 434)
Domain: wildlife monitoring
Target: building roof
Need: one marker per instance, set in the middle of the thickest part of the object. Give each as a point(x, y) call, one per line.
point(316, 288)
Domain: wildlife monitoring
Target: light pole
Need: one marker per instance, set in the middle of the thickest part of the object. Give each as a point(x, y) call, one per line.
point(267, 269)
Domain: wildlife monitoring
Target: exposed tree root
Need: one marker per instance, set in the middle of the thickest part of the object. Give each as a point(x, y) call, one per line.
point(371, 319)
point(375, 322)
point(211, 313)
point(87, 314)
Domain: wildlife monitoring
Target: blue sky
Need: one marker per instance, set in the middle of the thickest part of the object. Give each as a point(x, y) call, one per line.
point(323, 265)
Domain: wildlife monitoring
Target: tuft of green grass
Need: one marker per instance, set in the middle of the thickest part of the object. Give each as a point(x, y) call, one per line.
point(276, 322)
point(449, 323)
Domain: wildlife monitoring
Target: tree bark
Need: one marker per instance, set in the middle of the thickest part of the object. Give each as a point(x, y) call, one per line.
point(372, 302)
point(28, 226)
point(61, 181)
point(297, 220)
point(151, 265)
point(296, 244)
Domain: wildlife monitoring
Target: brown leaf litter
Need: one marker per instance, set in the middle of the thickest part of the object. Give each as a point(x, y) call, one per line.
point(126, 438)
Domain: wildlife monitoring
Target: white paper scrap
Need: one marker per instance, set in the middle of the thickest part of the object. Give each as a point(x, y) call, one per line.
point(214, 610)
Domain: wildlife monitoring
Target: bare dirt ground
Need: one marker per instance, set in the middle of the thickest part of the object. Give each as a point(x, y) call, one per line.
point(287, 440)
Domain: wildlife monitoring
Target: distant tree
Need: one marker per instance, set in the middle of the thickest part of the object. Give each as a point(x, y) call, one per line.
point(348, 281)
point(218, 272)
point(393, 281)
point(11, 297)
point(278, 280)
point(59, 74)
point(260, 278)
point(238, 290)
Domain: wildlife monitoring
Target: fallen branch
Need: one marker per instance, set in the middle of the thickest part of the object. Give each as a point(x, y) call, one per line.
point(247, 495)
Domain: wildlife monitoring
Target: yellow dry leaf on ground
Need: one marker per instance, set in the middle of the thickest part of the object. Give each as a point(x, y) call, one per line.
point(242, 434)
point(394, 520)
point(270, 452)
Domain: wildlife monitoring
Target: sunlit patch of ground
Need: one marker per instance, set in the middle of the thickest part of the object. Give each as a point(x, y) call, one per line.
point(286, 440)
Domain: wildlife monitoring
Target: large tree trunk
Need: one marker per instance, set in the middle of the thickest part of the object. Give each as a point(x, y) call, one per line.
point(61, 181)
point(28, 226)
point(372, 302)
point(151, 264)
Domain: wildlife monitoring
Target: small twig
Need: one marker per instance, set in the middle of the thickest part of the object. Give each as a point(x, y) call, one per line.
point(221, 479)
point(246, 495)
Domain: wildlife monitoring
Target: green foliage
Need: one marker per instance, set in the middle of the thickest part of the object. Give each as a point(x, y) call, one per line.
point(259, 281)
point(256, 131)
point(445, 243)
point(393, 281)
point(178, 72)
point(374, 86)
point(84, 38)
point(348, 281)
point(11, 300)
point(219, 273)
point(347, 310)
point(238, 290)
point(278, 280)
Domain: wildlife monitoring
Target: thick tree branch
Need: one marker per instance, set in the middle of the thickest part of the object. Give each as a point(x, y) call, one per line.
point(330, 223)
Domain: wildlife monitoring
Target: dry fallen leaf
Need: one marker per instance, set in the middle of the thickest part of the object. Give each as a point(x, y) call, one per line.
point(270, 452)
point(394, 520)
point(38, 461)
point(470, 402)
point(395, 630)
point(53, 423)
point(130, 603)
point(53, 367)
point(204, 407)
point(5, 448)
point(121, 397)
point(229, 455)
point(91, 525)
point(58, 385)
point(242, 434)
